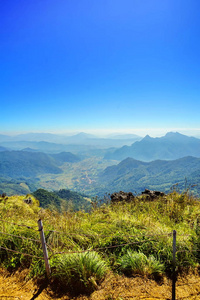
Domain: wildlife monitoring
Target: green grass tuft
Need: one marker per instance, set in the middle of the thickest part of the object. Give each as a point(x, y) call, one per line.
point(79, 271)
point(137, 263)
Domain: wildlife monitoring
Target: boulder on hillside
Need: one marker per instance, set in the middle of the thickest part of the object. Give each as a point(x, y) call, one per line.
point(28, 200)
point(122, 196)
point(151, 195)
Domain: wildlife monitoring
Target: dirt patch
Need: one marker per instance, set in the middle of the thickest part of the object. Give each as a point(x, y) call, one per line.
point(19, 286)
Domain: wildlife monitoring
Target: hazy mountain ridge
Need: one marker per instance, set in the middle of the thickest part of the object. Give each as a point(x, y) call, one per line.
point(171, 146)
point(77, 139)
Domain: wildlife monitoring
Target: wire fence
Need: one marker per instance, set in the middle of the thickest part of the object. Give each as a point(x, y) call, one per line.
point(20, 225)
point(88, 235)
point(25, 254)
point(42, 242)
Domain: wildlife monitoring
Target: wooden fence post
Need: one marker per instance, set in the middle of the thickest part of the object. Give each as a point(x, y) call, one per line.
point(174, 267)
point(44, 248)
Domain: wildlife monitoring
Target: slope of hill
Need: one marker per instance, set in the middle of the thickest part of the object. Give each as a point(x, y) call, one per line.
point(133, 175)
point(62, 199)
point(17, 164)
point(20, 169)
point(19, 186)
point(170, 146)
point(3, 148)
point(65, 157)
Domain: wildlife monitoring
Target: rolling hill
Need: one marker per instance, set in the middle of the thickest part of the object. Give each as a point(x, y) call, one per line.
point(62, 199)
point(20, 169)
point(65, 157)
point(133, 175)
point(17, 164)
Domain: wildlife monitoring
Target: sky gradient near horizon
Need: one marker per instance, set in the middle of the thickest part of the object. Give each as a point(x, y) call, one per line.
point(109, 65)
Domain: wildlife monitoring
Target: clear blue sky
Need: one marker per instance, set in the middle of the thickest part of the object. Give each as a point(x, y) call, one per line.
point(90, 65)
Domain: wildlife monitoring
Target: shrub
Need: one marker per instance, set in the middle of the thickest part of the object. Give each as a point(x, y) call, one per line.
point(82, 272)
point(137, 263)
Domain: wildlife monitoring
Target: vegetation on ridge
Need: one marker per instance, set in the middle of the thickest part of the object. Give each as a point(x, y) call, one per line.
point(121, 235)
point(62, 200)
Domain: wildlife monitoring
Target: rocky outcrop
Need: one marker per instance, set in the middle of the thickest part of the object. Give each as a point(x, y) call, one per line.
point(151, 195)
point(28, 200)
point(128, 197)
point(122, 196)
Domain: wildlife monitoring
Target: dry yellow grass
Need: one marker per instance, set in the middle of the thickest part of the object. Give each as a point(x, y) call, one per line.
point(114, 287)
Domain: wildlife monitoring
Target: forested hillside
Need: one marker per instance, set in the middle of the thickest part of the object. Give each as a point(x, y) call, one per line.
point(17, 164)
point(133, 175)
point(62, 200)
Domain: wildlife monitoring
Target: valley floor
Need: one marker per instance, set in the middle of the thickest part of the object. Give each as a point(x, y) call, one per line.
point(17, 286)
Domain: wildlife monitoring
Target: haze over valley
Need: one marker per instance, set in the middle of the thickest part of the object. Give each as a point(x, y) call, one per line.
point(96, 166)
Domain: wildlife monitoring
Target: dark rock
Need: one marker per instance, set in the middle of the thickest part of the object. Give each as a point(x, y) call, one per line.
point(28, 200)
point(122, 197)
point(152, 194)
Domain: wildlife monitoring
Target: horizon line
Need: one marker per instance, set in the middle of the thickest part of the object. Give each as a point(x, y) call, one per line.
point(104, 132)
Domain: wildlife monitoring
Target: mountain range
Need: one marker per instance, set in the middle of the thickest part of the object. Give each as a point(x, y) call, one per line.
point(62, 141)
point(155, 163)
point(171, 146)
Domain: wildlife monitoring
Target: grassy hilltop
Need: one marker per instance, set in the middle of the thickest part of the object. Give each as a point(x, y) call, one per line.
point(129, 238)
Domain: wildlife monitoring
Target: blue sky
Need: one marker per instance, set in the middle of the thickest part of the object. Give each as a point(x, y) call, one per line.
point(100, 66)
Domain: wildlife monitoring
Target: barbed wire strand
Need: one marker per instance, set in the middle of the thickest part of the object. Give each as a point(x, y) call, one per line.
point(21, 237)
point(84, 234)
point(99, 249)
point(98, 235)
point(26, 254)
point(23, 225)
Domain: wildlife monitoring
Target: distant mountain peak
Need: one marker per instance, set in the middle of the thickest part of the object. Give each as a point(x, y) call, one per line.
point(175, 135)
point(147, 137)
point(83, 135)
point(171, 134)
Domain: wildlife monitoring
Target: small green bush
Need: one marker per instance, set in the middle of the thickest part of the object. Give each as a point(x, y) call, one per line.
point(82, 272)
point(137, 263)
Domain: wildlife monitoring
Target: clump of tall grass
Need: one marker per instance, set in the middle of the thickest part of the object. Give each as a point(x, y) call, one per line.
point(137, 263)
point(80, 272)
